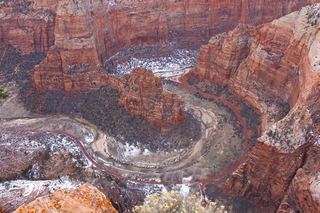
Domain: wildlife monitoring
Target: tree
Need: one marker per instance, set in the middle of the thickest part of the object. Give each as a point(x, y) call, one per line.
point(3, 94)
point(168, 202)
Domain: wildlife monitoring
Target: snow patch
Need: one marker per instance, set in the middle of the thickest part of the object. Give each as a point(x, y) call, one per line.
point(185, 189)
point(177, 59)
point(130, 151)
point(187, 179)
point(146, 152)
point(35, 187)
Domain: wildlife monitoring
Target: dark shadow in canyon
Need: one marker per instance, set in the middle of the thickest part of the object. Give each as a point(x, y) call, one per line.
point(102, 109)
point(14, 66)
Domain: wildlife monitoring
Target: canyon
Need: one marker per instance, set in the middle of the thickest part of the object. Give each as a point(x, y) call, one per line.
point(263, 71)
point(268, 65)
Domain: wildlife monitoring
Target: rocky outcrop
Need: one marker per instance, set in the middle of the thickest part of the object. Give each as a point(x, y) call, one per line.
point(304, 192)
point(29, 25)
point(86, 33)
point(73, 64)
point(142, 94)
point(264, 63)
point(51, 74)
point(267, 66)
point(85, 198)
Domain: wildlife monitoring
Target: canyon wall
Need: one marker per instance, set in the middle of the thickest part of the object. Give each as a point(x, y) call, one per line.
point(303, 192)
point(83, 34)
point(268, 66)
point(187, 22)
point(27, 29)
point(86, 33)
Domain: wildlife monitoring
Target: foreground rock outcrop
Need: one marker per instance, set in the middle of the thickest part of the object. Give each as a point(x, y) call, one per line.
point(85, 198)
point(271, 66)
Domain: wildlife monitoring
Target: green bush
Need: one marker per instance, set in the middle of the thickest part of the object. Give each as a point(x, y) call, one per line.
point(3, 94)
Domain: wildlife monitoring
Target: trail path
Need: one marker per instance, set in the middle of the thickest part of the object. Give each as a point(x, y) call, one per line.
point(202, 182)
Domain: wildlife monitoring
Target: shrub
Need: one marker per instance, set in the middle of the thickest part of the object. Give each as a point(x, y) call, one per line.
point(176, 202)
point(3, 94)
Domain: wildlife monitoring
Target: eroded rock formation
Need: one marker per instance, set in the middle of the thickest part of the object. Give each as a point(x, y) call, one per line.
point(268, 65)
point(29, 25)
point(84, 34)
point(141, 93)
point(303, 193)
point(26, 28)
point(85, 198)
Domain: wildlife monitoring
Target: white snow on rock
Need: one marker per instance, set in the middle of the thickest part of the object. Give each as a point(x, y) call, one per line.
point(185, 189)
point(130, 150)
point(19, 192)
point(177, 59)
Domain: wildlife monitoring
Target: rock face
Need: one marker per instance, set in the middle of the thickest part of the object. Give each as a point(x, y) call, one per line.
point(304, 191)
point(86, 198)
point(88, 33)
point(26, 28)
point(268, 66)
point(141, 93)
point(82, 34)
point(29, 25)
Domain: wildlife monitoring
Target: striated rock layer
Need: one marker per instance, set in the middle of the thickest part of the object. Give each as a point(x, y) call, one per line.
point(25, 28)
point(88, 33)
point(85, 198)
point(269, 66)
point(123, 23)
point(303, 193)
point(84, 34)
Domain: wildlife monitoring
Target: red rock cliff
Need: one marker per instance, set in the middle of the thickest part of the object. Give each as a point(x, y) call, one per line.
point(272, 62)
point(141, 93)
point(303, 192)
point(29, 24)
point(28, 29)
point(83, 34)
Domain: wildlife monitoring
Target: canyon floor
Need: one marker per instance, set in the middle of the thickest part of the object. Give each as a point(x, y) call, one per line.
point(218, 150)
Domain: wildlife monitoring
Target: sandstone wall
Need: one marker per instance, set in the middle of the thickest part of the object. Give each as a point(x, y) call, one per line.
point(264, 63)
point(303, 192)
point(274, 62)
point(124, 23)
point(29, 30)
point(88, 33)
point(83, 34)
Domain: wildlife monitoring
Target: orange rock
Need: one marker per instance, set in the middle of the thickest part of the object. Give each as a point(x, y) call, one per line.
point(85, 198)
point(29, 31)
